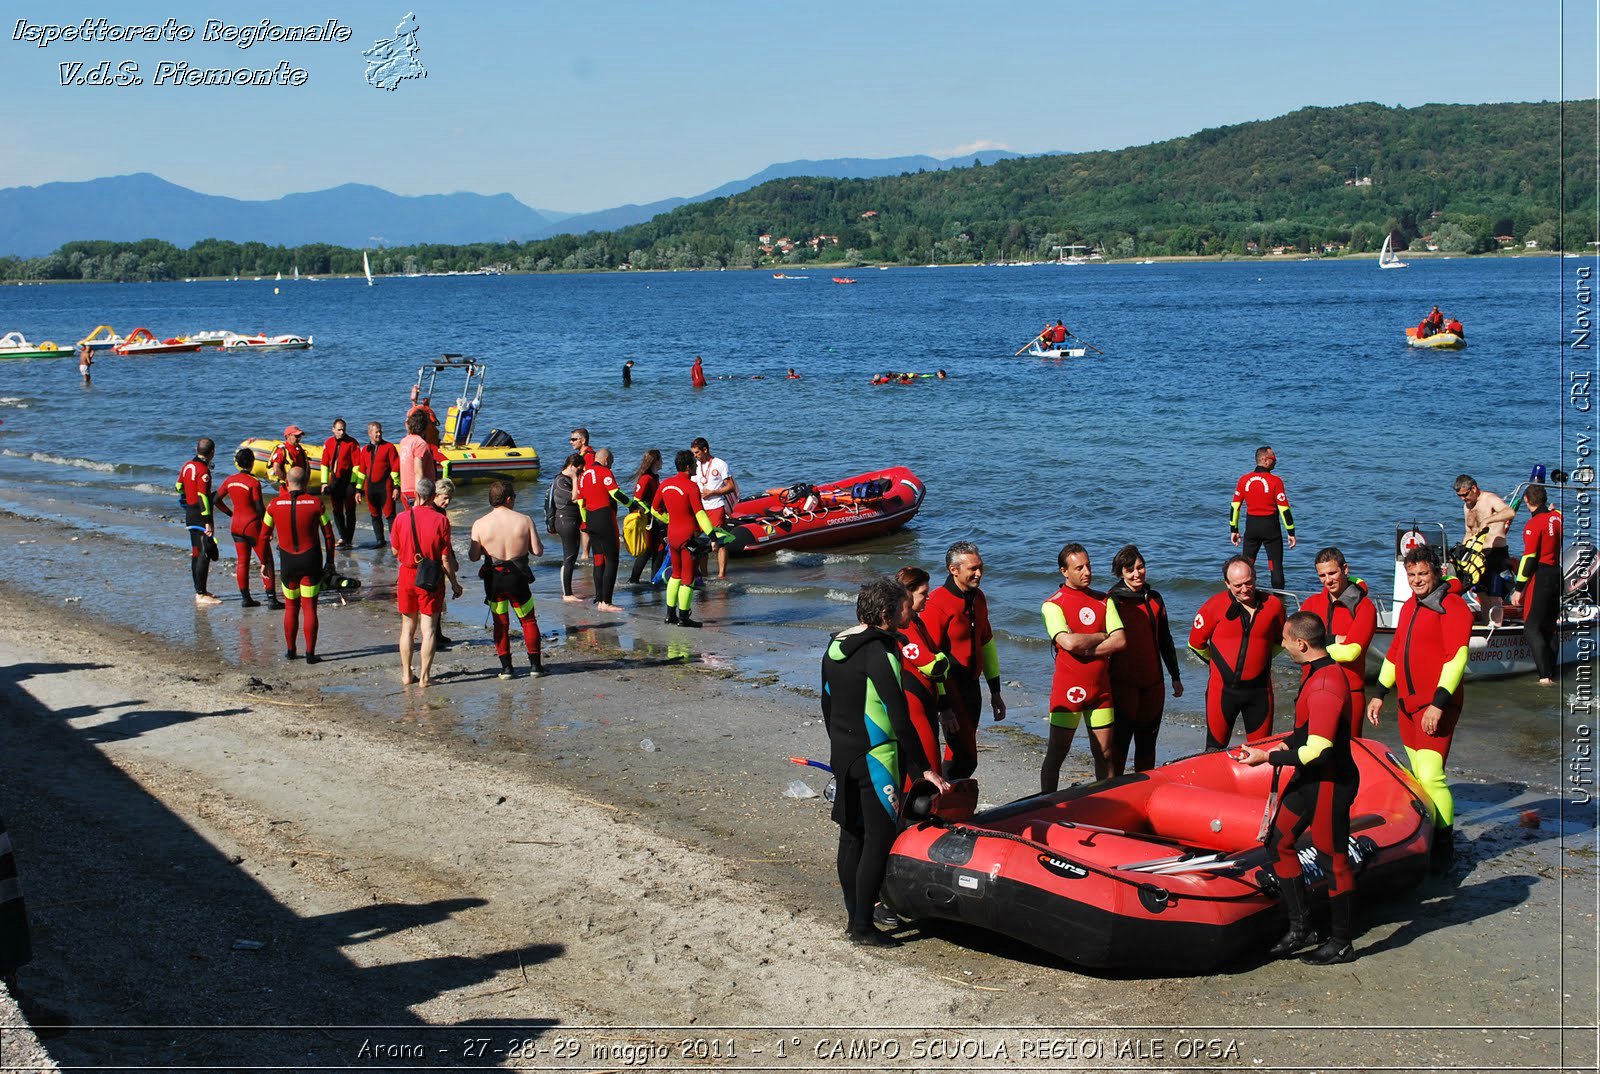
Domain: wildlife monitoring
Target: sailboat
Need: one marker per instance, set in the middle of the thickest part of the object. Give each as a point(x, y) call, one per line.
point(1387, 259)
point(297, 272)
point(280, 277)
point(366, 266)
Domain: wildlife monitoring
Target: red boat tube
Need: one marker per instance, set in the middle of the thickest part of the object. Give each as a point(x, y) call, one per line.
point(820, 516)
point(1162, 870)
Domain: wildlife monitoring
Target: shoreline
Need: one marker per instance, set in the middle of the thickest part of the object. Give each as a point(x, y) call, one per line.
point(211, 792)
point(1159, 259)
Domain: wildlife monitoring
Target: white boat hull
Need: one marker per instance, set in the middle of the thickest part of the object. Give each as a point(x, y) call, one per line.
point(1056, 352)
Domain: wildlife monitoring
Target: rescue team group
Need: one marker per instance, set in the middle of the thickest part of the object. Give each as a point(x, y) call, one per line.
point(400, 484)
point(915, 664)
point(916, 661)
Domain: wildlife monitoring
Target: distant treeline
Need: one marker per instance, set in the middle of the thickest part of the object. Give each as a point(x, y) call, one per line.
point(1465, 178)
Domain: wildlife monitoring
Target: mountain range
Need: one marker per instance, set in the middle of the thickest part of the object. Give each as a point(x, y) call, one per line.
point(126, 208)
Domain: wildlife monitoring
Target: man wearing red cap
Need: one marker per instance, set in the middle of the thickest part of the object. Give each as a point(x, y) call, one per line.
point(287, 455)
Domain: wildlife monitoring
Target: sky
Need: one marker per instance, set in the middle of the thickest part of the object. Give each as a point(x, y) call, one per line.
point(578, 107)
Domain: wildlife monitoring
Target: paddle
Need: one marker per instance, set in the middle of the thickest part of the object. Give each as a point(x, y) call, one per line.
point(1028, 344)
point(1086, 343)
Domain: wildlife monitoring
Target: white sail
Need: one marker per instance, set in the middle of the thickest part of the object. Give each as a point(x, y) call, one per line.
point(280, 276)
point(297, 272)
point(366, 266)
point(1387, 259)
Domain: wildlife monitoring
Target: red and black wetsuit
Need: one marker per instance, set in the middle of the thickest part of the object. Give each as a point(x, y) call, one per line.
point(1540, 568)
point(958, 626)
point(655, 544)
point(294, 518)
point(1323, 777)
point(597, 496)
point(340, 456)
point(288, 457)
point(1353, 617)
point(377, 474)
point(922, 673)
point(697, 375)
point(1239, 645)
point(194, 492)
point(1058, 334)
point(677, 502)
point(239, 497)
point(1138, 692)
point(1261, 494)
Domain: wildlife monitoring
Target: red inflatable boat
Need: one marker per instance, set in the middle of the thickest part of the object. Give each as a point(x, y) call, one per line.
point(1161, 870)
point(820, 516)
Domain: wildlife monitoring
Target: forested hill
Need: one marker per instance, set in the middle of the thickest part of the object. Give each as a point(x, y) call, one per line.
point(1463, 178)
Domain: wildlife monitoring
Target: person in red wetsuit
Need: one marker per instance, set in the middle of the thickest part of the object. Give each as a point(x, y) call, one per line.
point(922, 667)
point(293, 519)
point(1138, 693)
point(1539, 571)
point(339, 456)
point(598, 496)
point(1084, 630)
point(377, 479)
point(697, 374)
point(1265, 502)
point(1237, 632)
point(420, 532)
point(1453, 326)
point(1349, 620)
point(239, 497)
point(1428, 659)
point(646, 480)
point(1434, 321)
point(286, 455)
point(194, 493)
point(957, 621)
point(1058, 334)
point(1323, 780)
point(677, 504)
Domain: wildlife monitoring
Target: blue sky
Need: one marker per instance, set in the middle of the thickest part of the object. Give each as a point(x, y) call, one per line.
point(585, 106)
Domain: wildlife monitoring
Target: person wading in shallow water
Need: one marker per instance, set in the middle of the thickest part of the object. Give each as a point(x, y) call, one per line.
point(505, 538)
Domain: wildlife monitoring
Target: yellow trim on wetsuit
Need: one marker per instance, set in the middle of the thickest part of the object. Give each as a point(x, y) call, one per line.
point(1344, 653)
point(1315, 747)
point(1387, 674)
point(991, 660)
point(293, 591)
point(503, 607)
point(1428, 767)
point(1450, 675)
point(1233, 516)
point(1286, 518)
point(1523, 564)
point(936, 669)
point(1113, 618)
point(1098, 718)
point(1055, 620)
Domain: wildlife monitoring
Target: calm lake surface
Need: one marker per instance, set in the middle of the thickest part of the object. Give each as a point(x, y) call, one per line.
point(1202, 363)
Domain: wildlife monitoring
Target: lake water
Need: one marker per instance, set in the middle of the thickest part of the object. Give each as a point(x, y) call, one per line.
point(1202, 363)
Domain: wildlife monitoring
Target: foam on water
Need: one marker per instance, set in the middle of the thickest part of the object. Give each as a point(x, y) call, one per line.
point(67, 460)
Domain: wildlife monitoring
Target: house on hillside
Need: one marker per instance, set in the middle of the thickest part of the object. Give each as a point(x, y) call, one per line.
point(1506, 241)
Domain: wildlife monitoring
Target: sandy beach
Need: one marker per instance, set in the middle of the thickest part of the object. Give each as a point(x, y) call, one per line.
point(285, 859)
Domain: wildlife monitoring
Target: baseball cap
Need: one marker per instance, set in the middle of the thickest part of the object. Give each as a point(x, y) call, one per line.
point(294, 430)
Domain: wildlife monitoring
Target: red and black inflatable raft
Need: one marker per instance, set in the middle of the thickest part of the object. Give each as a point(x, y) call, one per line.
point(1162, 870)
point(804, 515)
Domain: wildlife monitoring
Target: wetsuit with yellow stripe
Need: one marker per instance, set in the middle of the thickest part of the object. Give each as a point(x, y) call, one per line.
point(194, 492)
point(677, 503)
point(1540, 572)
point(1323, 777)
point(1427, 661)
point(1081, 686)
point(1351, 616)
point(1266, 504)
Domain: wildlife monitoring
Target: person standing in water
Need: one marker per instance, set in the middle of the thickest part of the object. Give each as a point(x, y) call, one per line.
point(504, 539)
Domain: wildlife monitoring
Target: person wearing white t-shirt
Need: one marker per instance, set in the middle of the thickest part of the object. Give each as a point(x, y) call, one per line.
point(717, 492)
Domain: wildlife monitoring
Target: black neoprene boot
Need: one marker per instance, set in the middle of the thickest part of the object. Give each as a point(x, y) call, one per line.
point(672, 614)
point(536, 662)
point(246, 600)
point(1299, 933)
point(1444, 849)
point(1338, 948)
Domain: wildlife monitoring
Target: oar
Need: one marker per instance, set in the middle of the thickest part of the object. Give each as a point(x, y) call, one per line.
point(1086, 343)
point(1028, 344)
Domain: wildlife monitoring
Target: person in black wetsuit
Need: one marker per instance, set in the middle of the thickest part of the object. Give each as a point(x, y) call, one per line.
point(194, 492)
point(563, 520)
point(1323, 779)
point(872, 745)
point(627, 373)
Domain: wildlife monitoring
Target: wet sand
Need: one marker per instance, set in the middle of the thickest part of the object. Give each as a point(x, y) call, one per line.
point(506, 856)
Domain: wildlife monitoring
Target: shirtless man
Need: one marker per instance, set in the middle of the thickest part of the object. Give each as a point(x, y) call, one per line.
point(505, 538)
point(1487, 514)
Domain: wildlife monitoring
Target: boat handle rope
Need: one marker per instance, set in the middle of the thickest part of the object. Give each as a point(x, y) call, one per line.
point(1141, 885)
